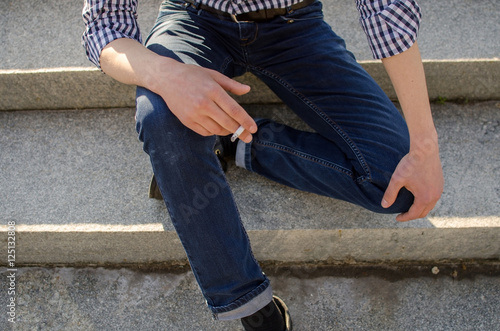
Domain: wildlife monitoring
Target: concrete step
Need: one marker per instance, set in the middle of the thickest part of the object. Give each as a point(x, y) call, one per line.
point(391, 299)
point(43, 65)
point(74, 183)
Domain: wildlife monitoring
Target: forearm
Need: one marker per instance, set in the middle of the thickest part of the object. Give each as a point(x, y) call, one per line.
point(408, 78)
point(129, 62)
point(420, 170)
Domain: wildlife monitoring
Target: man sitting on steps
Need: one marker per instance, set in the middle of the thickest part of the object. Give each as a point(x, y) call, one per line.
point(361, 151)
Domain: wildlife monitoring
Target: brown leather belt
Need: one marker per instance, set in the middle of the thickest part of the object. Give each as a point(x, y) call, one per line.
point(254, 16)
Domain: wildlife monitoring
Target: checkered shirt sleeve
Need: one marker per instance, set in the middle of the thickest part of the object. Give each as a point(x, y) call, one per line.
point(390, 25)
point(105, 21)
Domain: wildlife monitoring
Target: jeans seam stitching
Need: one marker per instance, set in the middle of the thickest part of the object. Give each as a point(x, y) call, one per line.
point(225, 64)
point(248, 42)
point(306, 156)
point(325, 117)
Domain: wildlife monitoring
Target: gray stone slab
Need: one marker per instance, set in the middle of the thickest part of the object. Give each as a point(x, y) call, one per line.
point(88, 167)
point(123, 247)
point(46, 34)
point(44, 67)
point(75, 183)
point(455, 29)
point(69, 88)
point(333, 299)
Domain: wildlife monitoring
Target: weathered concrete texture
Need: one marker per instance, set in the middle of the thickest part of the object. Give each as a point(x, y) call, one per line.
point(88, 167)
point(64, 88)
point(41, 48)
point(331, 247)
point(75, 183)
point(46, 34)
point(67, 88)
point(394, 299)
point(462, 80)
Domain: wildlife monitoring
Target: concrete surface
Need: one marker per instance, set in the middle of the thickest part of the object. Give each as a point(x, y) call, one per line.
point(43, 61)
point(46, 34)
point(67, 88)
point(457, 298)
point(75, 183)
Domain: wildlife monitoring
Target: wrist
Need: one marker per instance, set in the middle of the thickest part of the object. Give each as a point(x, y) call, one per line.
point(421, 128)
point(157, 69)
point(424, 143)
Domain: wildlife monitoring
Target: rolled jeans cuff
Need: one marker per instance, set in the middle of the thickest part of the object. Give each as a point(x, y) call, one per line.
point(248, 308)
point(240, 154)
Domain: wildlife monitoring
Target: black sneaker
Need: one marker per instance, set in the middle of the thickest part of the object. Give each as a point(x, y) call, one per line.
point(284, 311)
point(249, 323)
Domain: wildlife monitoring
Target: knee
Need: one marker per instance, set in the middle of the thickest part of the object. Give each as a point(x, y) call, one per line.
point(151, 112)
point(155, 123)
point(161, 131)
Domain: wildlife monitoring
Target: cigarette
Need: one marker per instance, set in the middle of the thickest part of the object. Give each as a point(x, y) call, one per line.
point(237, 134)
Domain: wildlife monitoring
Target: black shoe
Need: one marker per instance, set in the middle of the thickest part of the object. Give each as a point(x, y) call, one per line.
point(257, 321)
point(224, 149)
point(284, 311)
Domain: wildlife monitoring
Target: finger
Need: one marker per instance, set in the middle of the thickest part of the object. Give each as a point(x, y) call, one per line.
point(199, 129)
point(202, 123)
point(225, 124)
point(218, 122)
point(246, 137)
point(419, 209)
point(242, 135)
point(233, 109)
point(236, 112)
point(237, 133)
point(427, 209)
point(213, 127)
point(230, 85)
point(391, 193)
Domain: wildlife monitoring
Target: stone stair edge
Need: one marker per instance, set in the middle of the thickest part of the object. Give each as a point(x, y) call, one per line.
point(333, 246)
point(91, 68)
point(87, 87)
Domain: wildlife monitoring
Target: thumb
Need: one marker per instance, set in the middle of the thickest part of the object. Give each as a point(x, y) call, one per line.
point(391, 193)
point(231, 85)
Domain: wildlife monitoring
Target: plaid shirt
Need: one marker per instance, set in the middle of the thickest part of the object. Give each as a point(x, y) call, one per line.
point(390, 25)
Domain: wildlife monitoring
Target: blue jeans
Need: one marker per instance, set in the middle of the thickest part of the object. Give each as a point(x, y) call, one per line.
point(358, 139)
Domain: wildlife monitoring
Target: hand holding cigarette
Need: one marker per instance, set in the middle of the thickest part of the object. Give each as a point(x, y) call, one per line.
point(237, 133)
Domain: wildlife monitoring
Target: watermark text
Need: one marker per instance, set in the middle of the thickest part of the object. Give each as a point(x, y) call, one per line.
point(11, 272)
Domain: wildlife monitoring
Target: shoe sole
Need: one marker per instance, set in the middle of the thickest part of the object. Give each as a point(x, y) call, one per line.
point(284, 311)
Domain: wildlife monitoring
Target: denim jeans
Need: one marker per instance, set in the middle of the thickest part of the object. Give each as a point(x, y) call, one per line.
point(357, 140)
